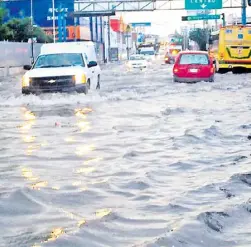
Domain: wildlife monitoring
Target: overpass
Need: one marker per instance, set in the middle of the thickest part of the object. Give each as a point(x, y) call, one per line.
point(139, 5)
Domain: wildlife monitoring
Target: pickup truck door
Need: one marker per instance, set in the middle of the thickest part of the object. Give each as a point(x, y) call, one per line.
point(91, 70)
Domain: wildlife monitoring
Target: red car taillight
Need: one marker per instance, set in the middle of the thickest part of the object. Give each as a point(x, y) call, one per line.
point(212, 70)
point(175, 70)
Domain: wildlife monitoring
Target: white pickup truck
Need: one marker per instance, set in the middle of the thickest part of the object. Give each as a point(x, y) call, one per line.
point(63, 67)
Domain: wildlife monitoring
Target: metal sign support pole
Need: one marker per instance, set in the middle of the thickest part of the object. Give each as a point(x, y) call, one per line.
point(243, 12)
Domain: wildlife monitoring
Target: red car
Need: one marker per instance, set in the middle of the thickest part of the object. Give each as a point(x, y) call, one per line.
point(193, 66)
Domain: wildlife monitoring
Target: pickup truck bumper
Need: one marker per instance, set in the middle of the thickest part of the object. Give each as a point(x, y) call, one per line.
point(81, 88)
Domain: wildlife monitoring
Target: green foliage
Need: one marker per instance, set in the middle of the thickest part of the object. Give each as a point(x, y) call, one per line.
point(199, 36)
point(20, 30)
point(2, 15)
point(41, 36)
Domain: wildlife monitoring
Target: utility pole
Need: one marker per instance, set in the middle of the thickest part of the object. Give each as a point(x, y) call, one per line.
point(53, 21)
point(109, 39)
point(32, 44)
point(216, 21)
point(128, 29)
point(102, 38)
point(60, 24)
point(64, 26)
point(127, 44)
point(243, 12)
point(75, 29)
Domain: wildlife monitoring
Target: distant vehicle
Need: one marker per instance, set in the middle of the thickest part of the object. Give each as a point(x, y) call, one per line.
point(172, 53)
point(149, 52)
point(193, 66)
point(231, 48)
point(137, 61)
point(63, 67)
point(169, 59)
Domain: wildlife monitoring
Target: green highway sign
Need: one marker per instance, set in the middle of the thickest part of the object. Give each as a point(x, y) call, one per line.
point(203, 4)
point(176, 40)
point(201, 17)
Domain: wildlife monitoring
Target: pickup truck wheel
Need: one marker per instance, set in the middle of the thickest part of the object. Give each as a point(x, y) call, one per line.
point(85, 91)
point(24, 92)
point(98, 82)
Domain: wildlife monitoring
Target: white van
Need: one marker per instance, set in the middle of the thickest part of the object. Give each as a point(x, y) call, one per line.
point(63, 67)
point(149, 52)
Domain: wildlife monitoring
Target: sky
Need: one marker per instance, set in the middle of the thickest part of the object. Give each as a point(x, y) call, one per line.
point(166, 22)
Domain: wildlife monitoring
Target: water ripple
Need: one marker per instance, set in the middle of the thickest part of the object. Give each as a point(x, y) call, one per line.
point(142, 162)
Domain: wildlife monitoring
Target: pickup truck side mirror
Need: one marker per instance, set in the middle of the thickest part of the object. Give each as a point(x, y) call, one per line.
point(92, 64)
point(27, 67)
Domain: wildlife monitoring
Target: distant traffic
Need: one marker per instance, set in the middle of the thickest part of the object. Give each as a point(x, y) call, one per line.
point(67, 67)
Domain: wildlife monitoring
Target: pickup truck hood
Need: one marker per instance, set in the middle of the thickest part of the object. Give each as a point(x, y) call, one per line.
point(60, 71)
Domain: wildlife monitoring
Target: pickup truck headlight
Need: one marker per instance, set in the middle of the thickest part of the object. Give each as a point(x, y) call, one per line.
point(25, 81)
point(80, 78)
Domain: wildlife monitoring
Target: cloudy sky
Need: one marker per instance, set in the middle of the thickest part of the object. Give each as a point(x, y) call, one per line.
point(165, 22)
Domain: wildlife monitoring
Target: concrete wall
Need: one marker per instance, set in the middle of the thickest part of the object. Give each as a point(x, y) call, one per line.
point(14, 56)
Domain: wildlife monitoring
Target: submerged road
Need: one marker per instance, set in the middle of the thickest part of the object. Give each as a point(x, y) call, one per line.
point(142, 162)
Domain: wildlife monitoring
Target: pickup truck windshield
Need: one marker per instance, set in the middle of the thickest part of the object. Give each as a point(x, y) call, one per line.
point(59, 60)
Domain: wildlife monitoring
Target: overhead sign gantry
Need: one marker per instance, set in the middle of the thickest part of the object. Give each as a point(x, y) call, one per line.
point(150, 5)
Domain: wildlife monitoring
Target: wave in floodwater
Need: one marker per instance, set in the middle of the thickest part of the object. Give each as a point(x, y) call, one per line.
point(142, 162)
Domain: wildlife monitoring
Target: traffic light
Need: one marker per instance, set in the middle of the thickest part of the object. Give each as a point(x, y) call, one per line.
point(223, 18)
point(249, 2)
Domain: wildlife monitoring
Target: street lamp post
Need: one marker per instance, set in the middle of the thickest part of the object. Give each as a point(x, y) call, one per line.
point(53, 21)
point(109, 39)
point(32, 45)
point(128, 30)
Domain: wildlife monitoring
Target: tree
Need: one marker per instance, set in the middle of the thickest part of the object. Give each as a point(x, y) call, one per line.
point(20, 30)
point(41, 35)
point(199, 35)
point(2, 14)
point(3, 29)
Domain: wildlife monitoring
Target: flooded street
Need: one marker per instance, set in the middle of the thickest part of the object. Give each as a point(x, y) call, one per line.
point(144, 162)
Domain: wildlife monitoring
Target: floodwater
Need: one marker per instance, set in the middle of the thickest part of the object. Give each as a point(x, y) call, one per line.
point(142, 162)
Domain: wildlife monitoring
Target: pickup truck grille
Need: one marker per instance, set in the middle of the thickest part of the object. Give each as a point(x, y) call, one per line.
point(52, 82)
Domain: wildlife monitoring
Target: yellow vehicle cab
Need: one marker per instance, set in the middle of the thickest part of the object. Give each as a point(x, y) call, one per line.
point(231, 46)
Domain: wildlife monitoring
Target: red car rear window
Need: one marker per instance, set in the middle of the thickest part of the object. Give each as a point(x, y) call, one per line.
point(201, 59)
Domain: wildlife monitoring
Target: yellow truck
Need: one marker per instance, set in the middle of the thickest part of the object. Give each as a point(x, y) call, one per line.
point(231, 48)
